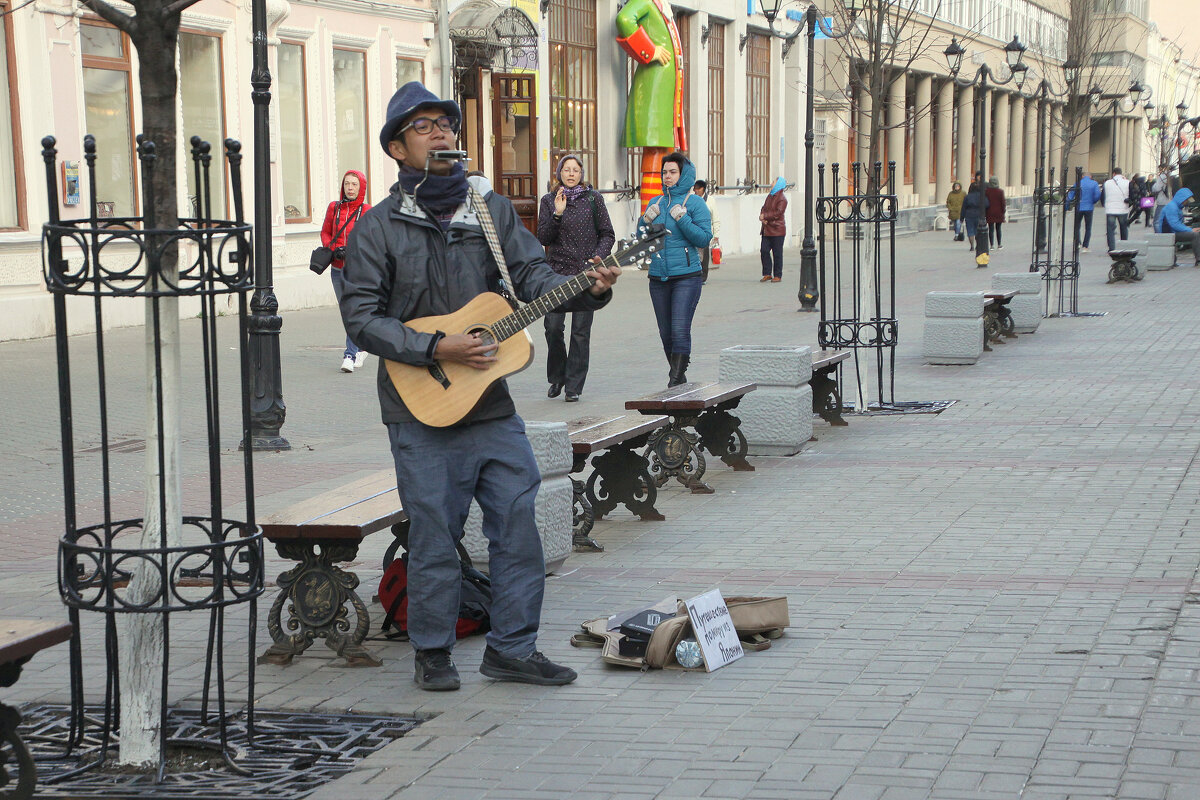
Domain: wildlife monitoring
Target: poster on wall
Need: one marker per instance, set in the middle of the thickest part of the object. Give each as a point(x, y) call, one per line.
point(70, 183)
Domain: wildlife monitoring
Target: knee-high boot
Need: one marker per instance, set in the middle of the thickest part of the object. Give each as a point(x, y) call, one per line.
point(679, 365)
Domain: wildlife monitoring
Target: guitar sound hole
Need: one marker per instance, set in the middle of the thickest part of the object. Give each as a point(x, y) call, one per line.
point(486, 336)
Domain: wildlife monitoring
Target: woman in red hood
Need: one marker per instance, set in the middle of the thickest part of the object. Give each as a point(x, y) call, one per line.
point(339, 221)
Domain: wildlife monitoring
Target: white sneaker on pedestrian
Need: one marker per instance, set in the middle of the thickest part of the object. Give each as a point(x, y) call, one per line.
point(347, 364)
point(1083, 249)
point(360, 358)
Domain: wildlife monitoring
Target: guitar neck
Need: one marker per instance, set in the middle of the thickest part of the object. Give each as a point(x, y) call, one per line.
point(527, 314)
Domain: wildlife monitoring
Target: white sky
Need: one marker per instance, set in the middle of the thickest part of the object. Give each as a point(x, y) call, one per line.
point(1177, 18)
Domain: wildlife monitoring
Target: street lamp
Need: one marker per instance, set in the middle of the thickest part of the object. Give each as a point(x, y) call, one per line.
point(1016, 72)
point(1182, 110)
point(267, 410)
point(1044, 91)
point(1136, 92)
point(809, 293)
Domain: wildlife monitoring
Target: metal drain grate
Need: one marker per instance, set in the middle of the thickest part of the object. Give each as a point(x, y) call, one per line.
point(293, 754)
point(907, 407)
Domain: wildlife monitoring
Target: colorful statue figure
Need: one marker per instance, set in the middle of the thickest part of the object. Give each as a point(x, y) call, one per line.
point(654, 111)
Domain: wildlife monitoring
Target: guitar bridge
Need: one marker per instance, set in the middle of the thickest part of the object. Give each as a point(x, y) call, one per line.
point(438, 374)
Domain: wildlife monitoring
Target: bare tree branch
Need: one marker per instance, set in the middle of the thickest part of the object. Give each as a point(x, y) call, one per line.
point(178, 7)
point(110, 14)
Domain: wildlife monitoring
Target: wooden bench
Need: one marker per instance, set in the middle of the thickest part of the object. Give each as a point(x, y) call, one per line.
point(319, 533)
point(21, 640)
point(619, 473)
point(826, 399)
point(674, 450)
point(997, 319)
point(1124, 266)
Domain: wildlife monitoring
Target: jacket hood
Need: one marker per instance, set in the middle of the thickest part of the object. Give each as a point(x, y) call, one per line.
point(1181, 197)
point(687, 179)
point(362, 189)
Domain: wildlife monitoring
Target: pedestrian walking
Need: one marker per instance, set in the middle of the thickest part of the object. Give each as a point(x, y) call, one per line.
point(575, 229)
point(701, 191)
point(1172, 222)
point(974, 212)
point(773, 232)
point(1116, 207)
point(1161, 189)
point(335, 232)
point(1139, 191)
point(997, 205)
point(954, 204)
point(423, 252)
point(675, 273)
point(1089, 195)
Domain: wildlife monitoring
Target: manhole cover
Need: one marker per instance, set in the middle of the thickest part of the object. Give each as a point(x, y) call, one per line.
point(291, 756)
point(907, 407)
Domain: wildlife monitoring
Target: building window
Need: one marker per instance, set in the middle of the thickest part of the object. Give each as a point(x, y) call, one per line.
point(12, 185)
point(573, 83)
point(350, 113)
point(202, 94)
point(292, 91)
point(106, 92)
point(716, 102)
point(409, 69)
point(758, 108)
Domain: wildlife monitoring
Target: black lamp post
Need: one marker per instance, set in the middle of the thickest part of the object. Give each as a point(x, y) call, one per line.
point(808, 294)
point(267, 410)
point(1137, 93)
point(1044, 91)
point(1016, 72)
point(1160, 122)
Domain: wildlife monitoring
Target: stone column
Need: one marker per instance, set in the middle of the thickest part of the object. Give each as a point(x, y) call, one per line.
point(945, 142)
point(895, 134)
point(1000, 139)
point(1134, 163)
point(966, 133)
point(1016, 155)
point(920, 170)
point(1031, 143)
point(862, 147)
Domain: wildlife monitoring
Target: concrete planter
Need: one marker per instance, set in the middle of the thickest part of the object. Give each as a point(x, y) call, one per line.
point(777, 416)
point(1160, 251)
point(1026, 307)
point(953, 327)
point(552, 449)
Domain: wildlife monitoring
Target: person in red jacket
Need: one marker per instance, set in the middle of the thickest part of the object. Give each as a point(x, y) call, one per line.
point(339, 221)
point(774, 230)
point(997, 205)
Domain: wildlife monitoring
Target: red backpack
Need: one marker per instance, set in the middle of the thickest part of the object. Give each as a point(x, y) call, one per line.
point(475, 602)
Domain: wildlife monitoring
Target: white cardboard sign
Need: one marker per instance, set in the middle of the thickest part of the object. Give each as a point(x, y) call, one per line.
point(714, 630)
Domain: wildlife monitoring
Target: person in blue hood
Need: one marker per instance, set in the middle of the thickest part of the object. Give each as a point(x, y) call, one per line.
point(675, 271)
point(1172, 222)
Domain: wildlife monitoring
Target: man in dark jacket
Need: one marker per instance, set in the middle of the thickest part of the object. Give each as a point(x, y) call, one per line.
point(421, 252)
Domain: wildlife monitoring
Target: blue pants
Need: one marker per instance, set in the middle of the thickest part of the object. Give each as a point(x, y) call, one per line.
point(338, 287)
point(1086, 218)
point(1113, 222)
point(674, 306)
point(770, 252)
point(438, 472)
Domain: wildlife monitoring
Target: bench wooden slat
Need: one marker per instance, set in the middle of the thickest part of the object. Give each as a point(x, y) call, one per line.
point(598, 433)
point(21, 638)
point(1001, 296)
point(823, 358)
point(694, 397)
point(352, 511)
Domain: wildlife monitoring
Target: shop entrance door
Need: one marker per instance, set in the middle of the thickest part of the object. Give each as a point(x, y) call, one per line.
point(514, 142)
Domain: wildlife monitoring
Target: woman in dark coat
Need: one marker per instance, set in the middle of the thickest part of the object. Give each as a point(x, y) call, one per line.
point(774, 231)
point(575, 229)
point(974, 214)
point(997, 204)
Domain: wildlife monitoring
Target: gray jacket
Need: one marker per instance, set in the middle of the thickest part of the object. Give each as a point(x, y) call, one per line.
point(400, 265)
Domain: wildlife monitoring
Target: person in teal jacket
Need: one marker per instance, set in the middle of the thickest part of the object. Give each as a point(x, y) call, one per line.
point(676, 273)
point(1172, 222)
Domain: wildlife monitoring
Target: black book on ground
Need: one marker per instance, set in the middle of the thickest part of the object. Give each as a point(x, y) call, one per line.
point(642, 624)
point(631, 646)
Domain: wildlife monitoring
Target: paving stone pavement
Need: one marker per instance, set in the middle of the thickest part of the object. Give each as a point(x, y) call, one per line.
point(998, 601)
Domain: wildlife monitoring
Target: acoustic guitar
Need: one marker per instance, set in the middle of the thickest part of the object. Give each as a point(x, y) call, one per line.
point(443, 394)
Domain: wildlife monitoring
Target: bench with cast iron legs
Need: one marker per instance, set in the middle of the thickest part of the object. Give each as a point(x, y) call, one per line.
point(700, 420)
point(619, 473)
point(997, 318)
point(1124, 266)
point(21, 640)
point(320, 596)
point(826, 399)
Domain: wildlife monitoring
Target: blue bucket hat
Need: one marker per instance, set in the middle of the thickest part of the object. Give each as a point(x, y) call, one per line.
point(408, 100)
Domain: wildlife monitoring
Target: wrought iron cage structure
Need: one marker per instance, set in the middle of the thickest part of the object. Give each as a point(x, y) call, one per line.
point(1056, 258)
point(857, 256)
point(121, 566)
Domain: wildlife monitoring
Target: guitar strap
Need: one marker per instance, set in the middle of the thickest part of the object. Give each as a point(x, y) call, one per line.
point(484, 215)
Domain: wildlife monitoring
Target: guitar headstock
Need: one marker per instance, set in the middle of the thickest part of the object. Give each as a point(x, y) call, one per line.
point(641, 247)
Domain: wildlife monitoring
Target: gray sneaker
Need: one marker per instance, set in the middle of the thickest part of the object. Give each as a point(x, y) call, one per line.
point(436, 671)
point(534, 668)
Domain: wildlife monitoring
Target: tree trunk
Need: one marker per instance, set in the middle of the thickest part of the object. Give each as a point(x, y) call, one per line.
point(142, 645)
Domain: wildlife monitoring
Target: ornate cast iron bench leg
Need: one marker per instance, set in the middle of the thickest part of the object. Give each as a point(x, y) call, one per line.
point(620, 475)
point(721, 434)
point(991, 327)
point(10, 718)
point(316, 592)
point(583, 518)
point(827, 400)
point(674, 451)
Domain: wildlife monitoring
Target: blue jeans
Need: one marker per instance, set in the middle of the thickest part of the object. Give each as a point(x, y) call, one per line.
point(957, 226)
point(1113, 221)
point(1084, 217)
point(674, 306)
point(339, 286)
point(438, 472)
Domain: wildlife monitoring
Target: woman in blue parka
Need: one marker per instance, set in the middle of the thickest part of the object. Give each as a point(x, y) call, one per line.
point(675, 271)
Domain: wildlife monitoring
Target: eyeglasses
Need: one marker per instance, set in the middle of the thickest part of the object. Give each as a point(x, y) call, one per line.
point(424, 125)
